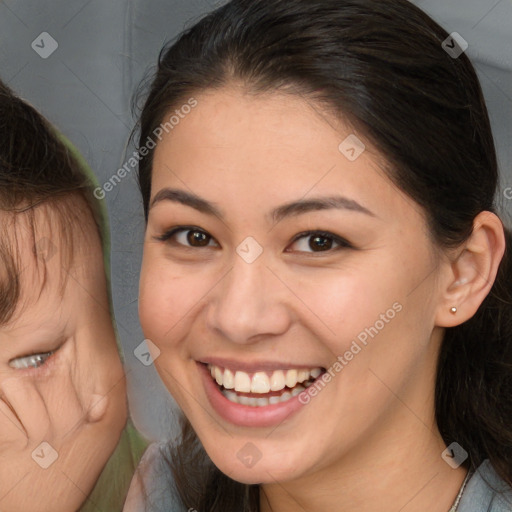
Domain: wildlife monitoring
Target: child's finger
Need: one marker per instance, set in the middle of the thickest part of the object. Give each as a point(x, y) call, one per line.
point(29, 407)
point(62, 400)
point(12, 432)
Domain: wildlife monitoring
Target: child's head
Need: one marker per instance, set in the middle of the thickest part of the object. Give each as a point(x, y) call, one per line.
point(61, 379)
point(44, 199)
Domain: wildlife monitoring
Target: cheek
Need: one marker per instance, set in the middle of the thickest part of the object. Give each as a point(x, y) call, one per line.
point(368, 309)
point(168, 298)
point(345, 301)
point(157, 309)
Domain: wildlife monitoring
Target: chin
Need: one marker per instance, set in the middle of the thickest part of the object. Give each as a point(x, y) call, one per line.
point(248, 466)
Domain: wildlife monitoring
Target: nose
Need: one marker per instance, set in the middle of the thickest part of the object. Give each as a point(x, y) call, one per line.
point(249, 304)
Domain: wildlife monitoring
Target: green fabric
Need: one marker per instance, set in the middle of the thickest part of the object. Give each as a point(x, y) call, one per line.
point(104, 227)
point(112, 486)
point(110, 491)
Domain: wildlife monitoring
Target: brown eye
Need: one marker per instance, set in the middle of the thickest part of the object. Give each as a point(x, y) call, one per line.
point(188, 236)
point(198, 238)
point(320, 243)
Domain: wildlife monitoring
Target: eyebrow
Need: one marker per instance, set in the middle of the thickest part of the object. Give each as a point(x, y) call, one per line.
point(188, 199)
point(277, 214)
point(315, 204)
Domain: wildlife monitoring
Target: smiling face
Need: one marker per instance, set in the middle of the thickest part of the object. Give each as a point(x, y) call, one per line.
point(271, 257)
point(61, 379)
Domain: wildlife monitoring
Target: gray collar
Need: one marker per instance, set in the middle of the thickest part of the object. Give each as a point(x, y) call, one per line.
point(486, 492)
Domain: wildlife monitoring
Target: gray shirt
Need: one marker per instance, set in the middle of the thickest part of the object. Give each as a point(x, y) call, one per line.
point(484, 492)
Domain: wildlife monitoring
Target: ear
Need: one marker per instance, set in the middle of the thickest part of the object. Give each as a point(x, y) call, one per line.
point(472, 271)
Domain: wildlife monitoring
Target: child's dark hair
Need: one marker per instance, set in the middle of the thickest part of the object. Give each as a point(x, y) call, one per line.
point(41, 182)
point(379, 65)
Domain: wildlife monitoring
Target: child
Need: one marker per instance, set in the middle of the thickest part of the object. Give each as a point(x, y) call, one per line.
point(65, 440)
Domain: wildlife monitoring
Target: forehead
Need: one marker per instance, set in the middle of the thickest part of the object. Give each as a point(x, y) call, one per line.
point(232, 121)
point(46, 254)
point(270, 149)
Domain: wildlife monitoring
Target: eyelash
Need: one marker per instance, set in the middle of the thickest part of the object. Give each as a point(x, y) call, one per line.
point(168, 235)
point(342, 243)
point(24, 364)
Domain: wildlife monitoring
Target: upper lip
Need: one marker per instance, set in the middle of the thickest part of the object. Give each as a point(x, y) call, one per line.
point(255, 366)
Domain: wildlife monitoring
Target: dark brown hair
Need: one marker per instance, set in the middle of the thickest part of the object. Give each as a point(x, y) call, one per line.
point(41, 182)
point(380, 65)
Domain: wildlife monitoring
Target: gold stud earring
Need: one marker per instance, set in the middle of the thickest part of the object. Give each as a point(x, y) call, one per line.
point(453, 310)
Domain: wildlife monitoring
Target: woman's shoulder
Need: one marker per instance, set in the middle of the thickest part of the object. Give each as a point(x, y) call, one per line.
point(486, 491)
point(156, 456)
point(152, 488)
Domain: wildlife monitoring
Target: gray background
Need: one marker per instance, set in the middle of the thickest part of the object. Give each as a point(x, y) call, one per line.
point(86, 86)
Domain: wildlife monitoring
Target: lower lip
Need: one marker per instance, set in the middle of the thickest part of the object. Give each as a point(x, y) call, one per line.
point(245, 415)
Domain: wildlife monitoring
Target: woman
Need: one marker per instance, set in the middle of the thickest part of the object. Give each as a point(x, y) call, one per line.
point(65, 440)
point(325, 274)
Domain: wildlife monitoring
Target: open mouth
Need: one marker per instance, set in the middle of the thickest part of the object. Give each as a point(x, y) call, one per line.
point(263, 388)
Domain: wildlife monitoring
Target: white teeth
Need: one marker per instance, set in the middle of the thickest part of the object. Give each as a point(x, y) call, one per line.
point(285, 396)
point(242, 382)
point(229, 379)
point(218, 375)
point(261, 382)
point(291, 378)
point(231, 396)
point(243, 400)
point(302, 375)
point(277, 381)
point(252, 401)
point(296, 390)
point(315, 373)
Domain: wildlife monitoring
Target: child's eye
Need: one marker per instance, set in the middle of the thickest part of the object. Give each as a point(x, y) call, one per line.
point(32, 361)
point(188, 236)
point(319, 241)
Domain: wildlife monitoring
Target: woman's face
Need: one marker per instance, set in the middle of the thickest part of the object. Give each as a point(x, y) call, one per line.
point(62, 387)
point(275, 250)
